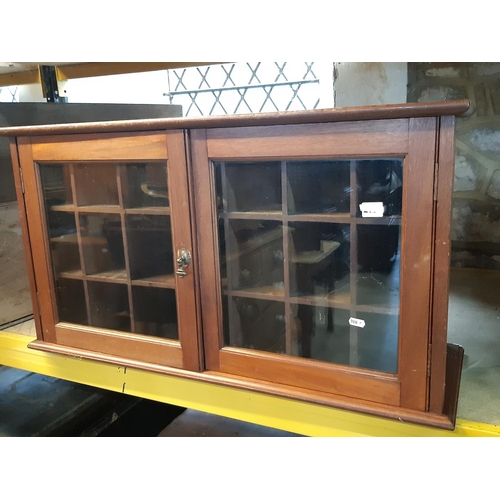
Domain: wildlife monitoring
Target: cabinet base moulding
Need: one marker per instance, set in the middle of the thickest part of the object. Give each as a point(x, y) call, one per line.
point(314, 397)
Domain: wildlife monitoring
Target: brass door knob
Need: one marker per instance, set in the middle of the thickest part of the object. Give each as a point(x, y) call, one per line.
point(183, 261)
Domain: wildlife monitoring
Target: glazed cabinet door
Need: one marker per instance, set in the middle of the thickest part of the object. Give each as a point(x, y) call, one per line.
point(111, 245)
point(318, 273)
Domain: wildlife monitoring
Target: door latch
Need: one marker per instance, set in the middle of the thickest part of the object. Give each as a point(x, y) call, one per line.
point(183, 261)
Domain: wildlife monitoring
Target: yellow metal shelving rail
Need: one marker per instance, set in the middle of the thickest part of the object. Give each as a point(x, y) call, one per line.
point(280, 413)
point(29, 73)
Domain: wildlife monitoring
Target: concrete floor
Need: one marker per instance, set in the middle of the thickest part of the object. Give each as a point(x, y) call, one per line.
point(474, 323)
point(35, 405)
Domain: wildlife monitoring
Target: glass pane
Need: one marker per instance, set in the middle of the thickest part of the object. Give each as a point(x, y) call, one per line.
point(318, 277)
point(253, 256)
point(256, 324)
point(380, 181)
point(96, 184)
point(321, 333)
point(378, 269)
point(150, 250)
point(250, 187)
point(109, 306)
point(71, 301)
point(145, 185)
point(155, 312)
point(56, 185)
point(63, 242)
point(318, 187)
point(376, 343)
point(102, 245)
point(319, 255)
point(111, 247)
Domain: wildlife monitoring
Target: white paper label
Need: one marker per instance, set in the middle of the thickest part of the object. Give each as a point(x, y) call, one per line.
point(360, 323)
point(372, 209)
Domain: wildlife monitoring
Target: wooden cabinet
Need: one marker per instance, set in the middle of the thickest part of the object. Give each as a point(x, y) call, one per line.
point(303, 255)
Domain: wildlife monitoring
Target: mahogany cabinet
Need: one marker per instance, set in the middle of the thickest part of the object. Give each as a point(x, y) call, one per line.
point(301, 254)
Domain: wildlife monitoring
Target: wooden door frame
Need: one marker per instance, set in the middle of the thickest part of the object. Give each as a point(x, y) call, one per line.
point(414, 140)
point(115, 147)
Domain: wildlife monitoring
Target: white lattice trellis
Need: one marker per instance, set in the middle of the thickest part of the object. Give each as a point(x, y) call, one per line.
point(9, 94)
point(236, 88)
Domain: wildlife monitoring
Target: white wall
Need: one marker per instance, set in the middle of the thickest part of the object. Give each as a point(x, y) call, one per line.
point(368, 83)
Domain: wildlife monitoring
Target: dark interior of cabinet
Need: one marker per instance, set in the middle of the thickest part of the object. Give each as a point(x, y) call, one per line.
point(109, 230)
point(299, 262)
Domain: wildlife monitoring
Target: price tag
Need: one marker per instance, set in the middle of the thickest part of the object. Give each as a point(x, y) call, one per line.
point(372, 209)
point(360, 323)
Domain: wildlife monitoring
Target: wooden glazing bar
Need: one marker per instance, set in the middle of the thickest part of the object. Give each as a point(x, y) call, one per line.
point(353, 264)
point(120, 176)
point(290, 333)
point(147, 211)
point(234, 332)
point(79, 241)
point(264, 215)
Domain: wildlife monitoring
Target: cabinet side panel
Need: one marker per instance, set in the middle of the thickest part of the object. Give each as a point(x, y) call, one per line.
point(441, 277)
point(26, 236)
point(416, 263)
point(38, 242)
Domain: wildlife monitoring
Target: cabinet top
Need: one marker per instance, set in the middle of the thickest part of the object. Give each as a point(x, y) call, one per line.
point(358, 113)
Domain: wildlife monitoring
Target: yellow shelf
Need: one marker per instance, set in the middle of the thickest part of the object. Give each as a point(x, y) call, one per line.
point(280, 413)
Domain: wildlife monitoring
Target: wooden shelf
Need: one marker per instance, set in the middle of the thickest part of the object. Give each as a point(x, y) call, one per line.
point(62, 208)
point(263, 292)
point(320, 217)
point(120, 276)
point(315, 256)
point(342, 301)
point(337, 300)
point(333, 218)
point(344, 219)
point(73, 275)
point(264, 215)
point(387, 220)
point(104, 209)
point(111, 209)
point(161, 281)
point(147, 211)
point(114, 276)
